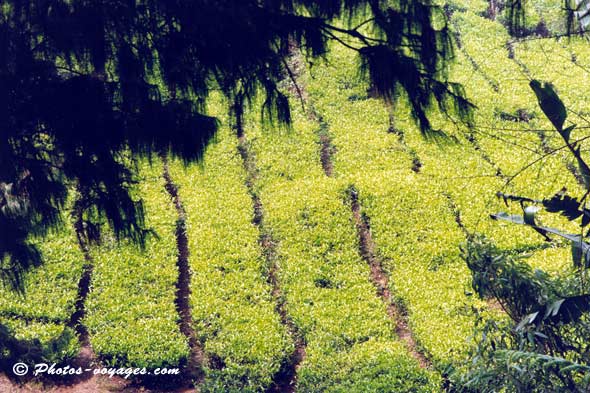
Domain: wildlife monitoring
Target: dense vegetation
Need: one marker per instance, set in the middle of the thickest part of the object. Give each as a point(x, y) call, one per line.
point(86, 83)
point(349, 249)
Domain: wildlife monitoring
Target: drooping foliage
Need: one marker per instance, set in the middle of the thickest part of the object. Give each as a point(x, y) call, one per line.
point(86, 86)
point(516, 16)
point(415, 40)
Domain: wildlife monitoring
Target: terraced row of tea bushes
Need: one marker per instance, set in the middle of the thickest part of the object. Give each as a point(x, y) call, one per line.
point(350, 341)
point(131, 315)
point(507, 126)
point(509, 123)
point(42, 313)
point(562, 63)
point(474, 171)
point(231, 302)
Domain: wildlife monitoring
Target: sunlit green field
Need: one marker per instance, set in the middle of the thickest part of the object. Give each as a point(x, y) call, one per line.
point(420, 196)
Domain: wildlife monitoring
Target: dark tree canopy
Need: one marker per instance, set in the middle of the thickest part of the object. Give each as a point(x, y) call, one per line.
point(87, 85)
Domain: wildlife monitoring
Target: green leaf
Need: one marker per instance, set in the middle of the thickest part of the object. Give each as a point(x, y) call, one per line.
point(570, 309)
point(551, 105)
point(584, 171)
point(527, 320)
point(529, 215)
point(566, 132)
point(553, 308)
point(508, 217)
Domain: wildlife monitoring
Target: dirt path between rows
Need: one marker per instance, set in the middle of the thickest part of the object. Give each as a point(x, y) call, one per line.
point(194, 368)
point(285, 380)
point(367, 246)
point(380, 280)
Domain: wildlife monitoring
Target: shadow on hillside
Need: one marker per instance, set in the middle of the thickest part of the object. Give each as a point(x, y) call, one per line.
point(31, 352)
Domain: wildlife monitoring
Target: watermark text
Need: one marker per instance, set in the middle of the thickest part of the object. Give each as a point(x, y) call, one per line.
point(52, 369)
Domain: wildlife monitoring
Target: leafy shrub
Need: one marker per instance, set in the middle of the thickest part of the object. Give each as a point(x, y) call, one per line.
point(542, 347)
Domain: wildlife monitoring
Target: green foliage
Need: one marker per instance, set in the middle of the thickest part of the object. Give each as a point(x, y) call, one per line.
point(325, 282)
point(542, 347)
point(99, 79)
point(133, 289)
point(33, 323)
point(231, 303)
point(513, 283)
point(34, 342)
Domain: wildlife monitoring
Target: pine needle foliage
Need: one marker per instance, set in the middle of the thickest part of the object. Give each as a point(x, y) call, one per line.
point(87, 86)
